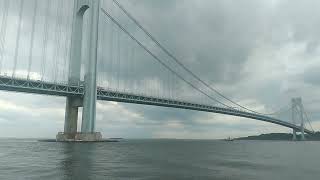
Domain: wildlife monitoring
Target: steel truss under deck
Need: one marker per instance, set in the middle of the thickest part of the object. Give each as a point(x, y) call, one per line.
point(48, 88)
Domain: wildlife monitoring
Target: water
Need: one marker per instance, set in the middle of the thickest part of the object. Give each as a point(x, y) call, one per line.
point(160, 159)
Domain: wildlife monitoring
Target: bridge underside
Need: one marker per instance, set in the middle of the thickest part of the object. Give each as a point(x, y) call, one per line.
point(47, 88)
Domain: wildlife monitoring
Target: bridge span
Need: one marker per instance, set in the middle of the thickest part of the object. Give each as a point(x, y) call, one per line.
point(48, 88)
point(89, 41)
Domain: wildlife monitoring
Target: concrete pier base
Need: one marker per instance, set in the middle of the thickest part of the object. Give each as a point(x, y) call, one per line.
point(81, 137)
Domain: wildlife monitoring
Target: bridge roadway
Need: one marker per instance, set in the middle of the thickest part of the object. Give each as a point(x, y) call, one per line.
point(48, 88)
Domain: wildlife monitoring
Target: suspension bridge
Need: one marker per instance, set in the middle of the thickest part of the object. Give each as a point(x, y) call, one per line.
point(89, 50)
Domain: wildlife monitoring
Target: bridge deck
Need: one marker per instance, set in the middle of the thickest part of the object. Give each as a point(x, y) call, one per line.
point(48, 88)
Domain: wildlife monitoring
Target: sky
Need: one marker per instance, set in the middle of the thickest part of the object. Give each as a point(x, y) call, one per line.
point(259, 53)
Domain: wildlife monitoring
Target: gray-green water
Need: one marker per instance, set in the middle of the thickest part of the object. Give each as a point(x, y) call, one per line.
point(160, 159)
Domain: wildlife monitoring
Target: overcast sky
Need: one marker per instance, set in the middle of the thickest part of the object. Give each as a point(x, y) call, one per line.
point(259, 53)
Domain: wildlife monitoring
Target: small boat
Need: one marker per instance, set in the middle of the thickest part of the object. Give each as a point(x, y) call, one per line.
point(229, 139)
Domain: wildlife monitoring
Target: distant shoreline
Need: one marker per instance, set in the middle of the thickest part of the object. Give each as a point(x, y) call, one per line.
point(280, 137)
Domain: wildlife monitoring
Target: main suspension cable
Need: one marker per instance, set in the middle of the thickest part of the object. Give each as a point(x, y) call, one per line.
point(158, 59)
point(178, 61)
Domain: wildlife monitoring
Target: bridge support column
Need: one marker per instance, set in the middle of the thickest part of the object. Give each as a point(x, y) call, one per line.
point(71, 117)
point(298, 113)
point(302, 121)
point(90, 94)
point(294, 135)
point(302, 133)
point(90, 85)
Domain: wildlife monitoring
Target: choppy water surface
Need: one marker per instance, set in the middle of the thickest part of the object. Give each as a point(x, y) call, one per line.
point(160, 159)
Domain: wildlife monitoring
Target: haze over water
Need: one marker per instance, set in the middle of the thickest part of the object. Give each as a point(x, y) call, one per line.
point(159, 159)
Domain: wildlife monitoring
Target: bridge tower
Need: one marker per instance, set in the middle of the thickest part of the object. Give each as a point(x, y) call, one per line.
point(297, 113)
point(88, 101)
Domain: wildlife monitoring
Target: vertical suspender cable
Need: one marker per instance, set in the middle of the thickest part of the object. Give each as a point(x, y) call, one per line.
point(100, 62)
point(107, 58)
point(171, 84)
point(57, 41)
point(64, 40)
point(18, 40)
point(101, 57)
point(130, 68)
point(134, 79)
point(3, 30)
point(126, 63)
point(307, 117)
point(118, 59)
point(129, 65)
point(56, 46)
point(120, 79)
point(45, 41)
point(112, 57)
point(35, 8)
point(158, 81)
point(67, 43)
point(168, 84)
point(111, 73)
point(175, 87)
point(101, 54)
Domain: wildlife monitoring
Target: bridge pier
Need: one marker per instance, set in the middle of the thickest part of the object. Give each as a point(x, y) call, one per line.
point(88, 102)
point(302, 133)
point(294, 135)
point(71, 117)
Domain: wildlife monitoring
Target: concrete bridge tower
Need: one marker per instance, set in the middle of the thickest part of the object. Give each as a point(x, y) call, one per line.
point(88, 101)
point(297, 114)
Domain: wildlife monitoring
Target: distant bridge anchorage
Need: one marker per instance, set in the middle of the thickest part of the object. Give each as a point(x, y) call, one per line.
point(85, 84)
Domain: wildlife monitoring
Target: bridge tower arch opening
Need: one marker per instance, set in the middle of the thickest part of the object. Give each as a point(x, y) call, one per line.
point(91, 8)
